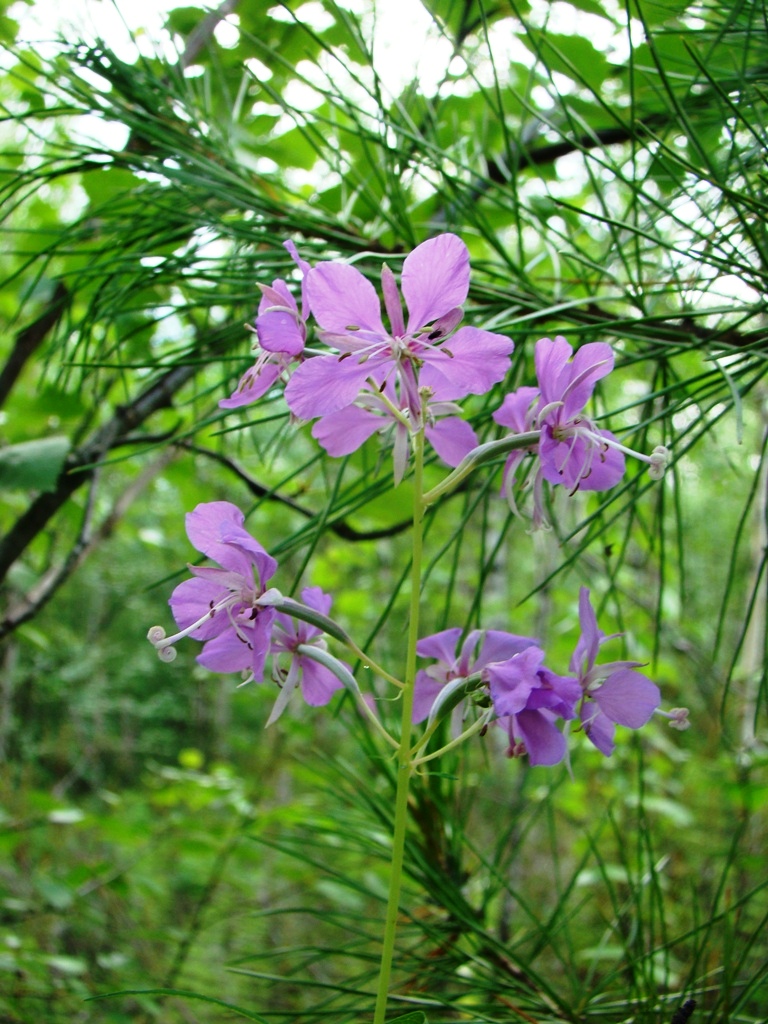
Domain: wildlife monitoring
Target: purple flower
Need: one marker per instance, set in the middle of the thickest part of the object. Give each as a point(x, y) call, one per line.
point(571, 450)
point(528, 700)
point(481, 647)
point(613, 693)
point(344, 431)
point(318, 683)
point(258, 379)
point(517, 413)
point(281, 331)
point(220, 606)
point(435, 284)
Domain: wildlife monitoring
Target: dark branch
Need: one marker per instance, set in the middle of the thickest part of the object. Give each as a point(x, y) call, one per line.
point(201, 36)
point(683, 1012)
point(29, 604)
point(30, 338)
point(340, 528)
point(82, 462)
point(523, 158)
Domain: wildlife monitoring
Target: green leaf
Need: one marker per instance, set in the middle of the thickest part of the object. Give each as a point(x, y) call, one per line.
point(104, 184)
point(656, 12)
point(184, 994)
point(416, 1017)
point(590, 7)
point(573, 56)
point(33, 465)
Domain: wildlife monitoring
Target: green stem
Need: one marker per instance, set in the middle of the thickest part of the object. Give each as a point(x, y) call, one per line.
point(343, 674)
point(483, 453)
point(274, 599)
point(476, 727)
point(404, 764)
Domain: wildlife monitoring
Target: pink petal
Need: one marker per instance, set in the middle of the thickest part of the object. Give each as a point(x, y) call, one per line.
point(318, 683)
point(254, 384)
point(606, 470)
point(392, 302)
point(514, 411)
point(452, 439)
point(590, 363)
point(304, 268)
point(276, 294)
point(628, 698)
point(191, 600)
point(580, 464)
point(559, 693)
point(544, 742)
point(510, 469)
point(441, 646)
point(435, 279)
point(325, 384)
point(551, 358)
point(589, 642)
point(599, 728)
point(469, 363)
point(341, 298)
point(316, 598)
point(227, 653)
point(500, 646)
point(280, 331)
point(425, 691)
point(511, 681)
point(234, 537)
point(343, 432)
point(290, 247)
point(204, 526)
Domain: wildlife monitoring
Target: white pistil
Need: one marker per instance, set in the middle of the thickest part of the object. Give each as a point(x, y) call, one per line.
point(542, 414)
point(658, 460)
point(164, 644)
point(678, 718)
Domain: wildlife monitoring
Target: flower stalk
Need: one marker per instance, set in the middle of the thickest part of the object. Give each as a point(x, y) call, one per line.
point(404, 757)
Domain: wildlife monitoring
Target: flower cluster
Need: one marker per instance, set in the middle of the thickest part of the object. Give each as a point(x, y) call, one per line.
point(230, 610)
point(570, 449)
point(395, 381)
point(400, 380)
point(372, 379)
point(508, 680)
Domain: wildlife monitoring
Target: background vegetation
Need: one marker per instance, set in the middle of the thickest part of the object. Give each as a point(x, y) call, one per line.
point(605, 163)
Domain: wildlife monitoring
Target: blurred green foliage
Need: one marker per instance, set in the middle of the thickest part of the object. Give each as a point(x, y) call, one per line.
point(605, 164)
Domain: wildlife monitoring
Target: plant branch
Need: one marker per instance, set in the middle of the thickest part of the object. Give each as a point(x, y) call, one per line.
point(82, 462)
point(29, 339)
point(28, 605)
point(201, 36)
point(340, 528)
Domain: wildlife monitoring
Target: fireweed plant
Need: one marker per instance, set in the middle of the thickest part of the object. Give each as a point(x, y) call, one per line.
point(406, 381)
